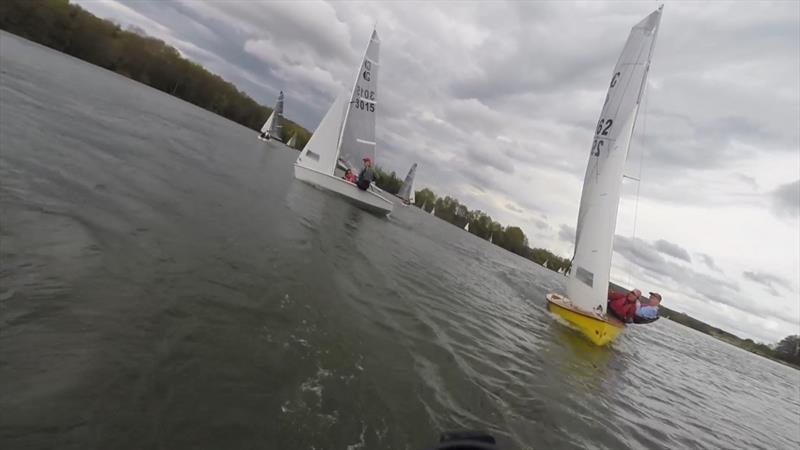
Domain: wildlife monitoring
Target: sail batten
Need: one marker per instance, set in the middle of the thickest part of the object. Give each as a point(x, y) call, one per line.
point(587, 284)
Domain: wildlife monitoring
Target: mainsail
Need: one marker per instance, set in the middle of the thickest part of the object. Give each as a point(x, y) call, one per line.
point(277, 123)
point(407, 189)
point(358, 134)
point(587, 284)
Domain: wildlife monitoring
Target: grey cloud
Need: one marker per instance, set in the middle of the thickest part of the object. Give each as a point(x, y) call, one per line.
point(512, 207)
point(649, 260)
point(786, 199)
point(768, 281)
point(540, 224)
point(672, 249)
point(566, 233)
point(709, 262)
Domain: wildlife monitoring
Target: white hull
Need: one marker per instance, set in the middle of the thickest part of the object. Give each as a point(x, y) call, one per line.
point(366, 199)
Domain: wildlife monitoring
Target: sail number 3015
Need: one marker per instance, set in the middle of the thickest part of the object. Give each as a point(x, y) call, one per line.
point(364, 94)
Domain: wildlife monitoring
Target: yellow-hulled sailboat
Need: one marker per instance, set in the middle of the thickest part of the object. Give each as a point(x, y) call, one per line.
point(584, 305)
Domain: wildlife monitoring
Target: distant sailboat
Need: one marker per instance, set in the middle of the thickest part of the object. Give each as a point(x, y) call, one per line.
point(587, 283)
point(346, 135)
point(466, 226)
point(272, 127)
point(407, 189)
point(292, 141)
point(433, 211)
point(491, 238)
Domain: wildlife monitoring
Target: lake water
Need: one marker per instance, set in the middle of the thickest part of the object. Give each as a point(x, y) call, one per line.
point(166, 283)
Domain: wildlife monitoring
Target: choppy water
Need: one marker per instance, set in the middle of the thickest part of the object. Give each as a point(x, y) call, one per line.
point(165, 283)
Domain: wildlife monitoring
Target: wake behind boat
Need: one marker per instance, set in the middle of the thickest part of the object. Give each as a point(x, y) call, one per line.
point(345, 136)
point(587, 283)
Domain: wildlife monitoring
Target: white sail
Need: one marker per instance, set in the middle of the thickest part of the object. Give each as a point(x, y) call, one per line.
point(292, 141)
point(433, 211)
point(320, 151)
point(407, 189)
point(276, 127)
point(587, 284)
point(466, 226)
point(268, 124)
point(358, 134)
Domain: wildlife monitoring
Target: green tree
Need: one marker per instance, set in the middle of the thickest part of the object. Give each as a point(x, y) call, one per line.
point(425, 199)
point(514, 240)
point(789, 349)
point(72, 30)
point(388, 182)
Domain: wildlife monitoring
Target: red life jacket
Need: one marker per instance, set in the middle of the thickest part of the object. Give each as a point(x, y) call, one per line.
point(619, 304)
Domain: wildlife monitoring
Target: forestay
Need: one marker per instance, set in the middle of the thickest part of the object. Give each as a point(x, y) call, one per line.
point(587, 285)
point(358, 134)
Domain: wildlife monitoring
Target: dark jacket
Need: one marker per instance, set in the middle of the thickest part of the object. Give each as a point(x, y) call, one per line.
point(365, 177)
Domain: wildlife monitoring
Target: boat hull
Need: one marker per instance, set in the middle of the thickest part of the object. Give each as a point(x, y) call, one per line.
point(600, 331)
point(368, 200)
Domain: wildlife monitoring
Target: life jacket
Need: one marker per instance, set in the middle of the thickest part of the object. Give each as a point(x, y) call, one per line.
point(619, 305)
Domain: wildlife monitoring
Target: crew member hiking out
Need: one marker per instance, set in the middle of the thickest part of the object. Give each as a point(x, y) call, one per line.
point(622, 305)
point(366, 176)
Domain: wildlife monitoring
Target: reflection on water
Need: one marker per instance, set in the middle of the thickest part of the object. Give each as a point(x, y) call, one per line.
point(166, 281)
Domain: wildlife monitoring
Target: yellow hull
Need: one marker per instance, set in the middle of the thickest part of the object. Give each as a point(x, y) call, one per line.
point(599, 331)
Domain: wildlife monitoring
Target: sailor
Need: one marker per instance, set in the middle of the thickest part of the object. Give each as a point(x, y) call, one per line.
point(648, 310)
point(349, 176)
point(367, 174)
point(623, 305)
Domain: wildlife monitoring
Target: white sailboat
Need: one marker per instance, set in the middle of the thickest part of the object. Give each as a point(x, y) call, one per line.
point(584, 304)
point(272, 127)
point(466, 226)
point(346, 135)
point(292, 142)
point(407, 189)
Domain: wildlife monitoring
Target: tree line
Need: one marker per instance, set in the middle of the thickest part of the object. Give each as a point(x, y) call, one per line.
point(477, 222)
point(72, 30)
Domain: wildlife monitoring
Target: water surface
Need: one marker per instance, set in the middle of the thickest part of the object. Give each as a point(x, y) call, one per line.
point(166, 283)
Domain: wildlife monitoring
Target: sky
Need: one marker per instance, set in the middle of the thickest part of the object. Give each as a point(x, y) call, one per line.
point(497, 102)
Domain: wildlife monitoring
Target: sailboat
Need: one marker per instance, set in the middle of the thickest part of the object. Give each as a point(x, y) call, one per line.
point(584, 304)
point(407, 189)
point(345, 136)
point(272, 127)
point(292, 142)
point(466, 226)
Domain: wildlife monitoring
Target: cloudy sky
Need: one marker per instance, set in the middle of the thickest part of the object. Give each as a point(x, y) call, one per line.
point(497, 101)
